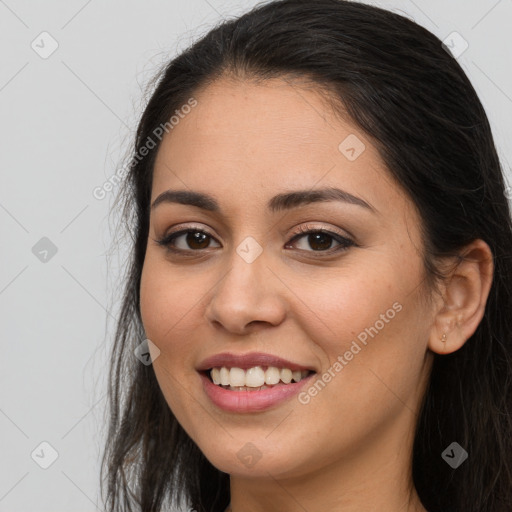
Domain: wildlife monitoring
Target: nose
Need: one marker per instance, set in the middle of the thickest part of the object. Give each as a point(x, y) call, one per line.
point(249, 296)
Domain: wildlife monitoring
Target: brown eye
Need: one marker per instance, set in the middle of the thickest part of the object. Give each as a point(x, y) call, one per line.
point(321, 240)
point(315, 241)
point(194, 240)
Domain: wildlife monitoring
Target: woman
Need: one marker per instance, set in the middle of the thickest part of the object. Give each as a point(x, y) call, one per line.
point(320, 274)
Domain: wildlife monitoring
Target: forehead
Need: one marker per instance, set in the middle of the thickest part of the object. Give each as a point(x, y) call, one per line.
point(246, 141)
point(240, 119)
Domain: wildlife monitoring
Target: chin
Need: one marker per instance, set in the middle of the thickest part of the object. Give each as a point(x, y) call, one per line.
point(251, 462)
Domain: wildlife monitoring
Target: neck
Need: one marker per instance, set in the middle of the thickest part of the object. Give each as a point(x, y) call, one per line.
point(287, 496)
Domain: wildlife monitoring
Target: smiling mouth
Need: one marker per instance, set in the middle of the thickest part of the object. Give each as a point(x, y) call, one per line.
point(254, 379)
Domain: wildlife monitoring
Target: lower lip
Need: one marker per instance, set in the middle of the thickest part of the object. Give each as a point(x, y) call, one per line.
point(250, 401)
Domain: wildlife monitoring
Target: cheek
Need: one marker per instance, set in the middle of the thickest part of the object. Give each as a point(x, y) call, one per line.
point(376, 296)
point(372, 336)
point(340, 305)
point(168, 297)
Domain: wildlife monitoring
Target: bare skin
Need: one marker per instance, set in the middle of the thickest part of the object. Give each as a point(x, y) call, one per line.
point(349, 448)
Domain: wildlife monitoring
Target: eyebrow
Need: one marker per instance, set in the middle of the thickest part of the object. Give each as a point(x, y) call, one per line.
point(285, 201)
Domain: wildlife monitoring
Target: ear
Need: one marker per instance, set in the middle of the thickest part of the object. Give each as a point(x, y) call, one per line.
point(464, 295)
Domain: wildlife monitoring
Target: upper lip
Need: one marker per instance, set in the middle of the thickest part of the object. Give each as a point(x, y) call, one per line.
point(246, 361)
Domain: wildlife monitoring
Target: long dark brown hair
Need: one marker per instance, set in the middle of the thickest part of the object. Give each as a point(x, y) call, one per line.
point(399, 84)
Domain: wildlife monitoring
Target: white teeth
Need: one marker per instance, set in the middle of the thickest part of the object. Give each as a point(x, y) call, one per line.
point(224, 376)
point(254, 378)
point(272, 375)
point(237, 377)
point(297, 375)
point(286, 375)
point(216, 376)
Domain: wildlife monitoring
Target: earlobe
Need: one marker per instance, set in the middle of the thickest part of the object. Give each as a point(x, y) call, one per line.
point(447, 336)
point(465, 294)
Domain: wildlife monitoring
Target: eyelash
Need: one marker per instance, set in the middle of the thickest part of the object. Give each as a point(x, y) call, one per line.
point(345, 243)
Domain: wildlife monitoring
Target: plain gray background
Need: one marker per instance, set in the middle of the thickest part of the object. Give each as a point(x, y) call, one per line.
point(66, 121)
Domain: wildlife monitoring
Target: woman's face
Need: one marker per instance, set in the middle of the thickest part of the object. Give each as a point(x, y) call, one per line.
point(348, 304)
